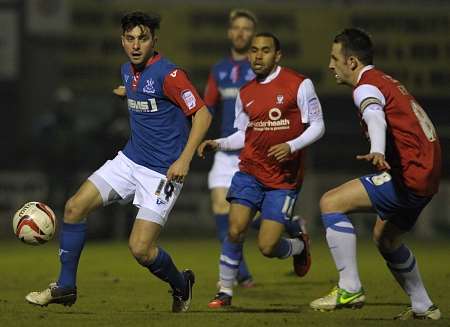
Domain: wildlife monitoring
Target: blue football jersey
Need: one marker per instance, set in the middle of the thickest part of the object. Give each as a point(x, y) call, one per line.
point(159, 99)
point(224, 82)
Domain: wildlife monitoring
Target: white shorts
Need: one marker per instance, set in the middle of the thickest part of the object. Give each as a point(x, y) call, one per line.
point(121, 180)
point(223, 169)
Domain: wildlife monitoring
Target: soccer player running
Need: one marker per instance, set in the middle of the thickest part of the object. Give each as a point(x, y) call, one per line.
point(224, 81)
point(271, 113)
point(405, 149)
point(149, 171)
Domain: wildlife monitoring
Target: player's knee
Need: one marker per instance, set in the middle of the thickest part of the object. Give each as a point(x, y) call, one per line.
point(328, 203)
point(142, 253)
point(235, 234)
point(384, 243)
point(266, 249)
point(220, 207)
point(73, 211)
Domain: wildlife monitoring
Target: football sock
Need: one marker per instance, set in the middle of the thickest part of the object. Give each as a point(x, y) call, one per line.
point(222, 232)
point(403, 266)
point(292, 228)
point(229, 264)
point(288, 247)
point(71, 242)
point(341, 240)
point(164, 268)
point(221, 226)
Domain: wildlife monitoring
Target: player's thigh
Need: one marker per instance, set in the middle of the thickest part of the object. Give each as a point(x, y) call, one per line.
point(346, 198)
point(269, 235)
point(143, 238)
point(83, 202)
point(219, 201)
point(386, 235)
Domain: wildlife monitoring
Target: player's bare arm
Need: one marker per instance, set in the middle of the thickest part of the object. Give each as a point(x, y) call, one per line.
point(377, 159)
point(207, 146)
point(280, 151)
point(200, 124)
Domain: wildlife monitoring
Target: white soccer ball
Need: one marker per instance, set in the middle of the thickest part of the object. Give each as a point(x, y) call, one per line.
point(34, 223)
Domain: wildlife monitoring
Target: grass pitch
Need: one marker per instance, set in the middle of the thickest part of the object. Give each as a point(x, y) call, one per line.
point(115, 291)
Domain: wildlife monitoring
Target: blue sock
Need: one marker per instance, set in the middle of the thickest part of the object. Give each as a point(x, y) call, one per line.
point(221, 226)
point(222, 232)
point(164, 268)
point(292, 228)
point(283, 249)
point(71, 242)
point(229, 263)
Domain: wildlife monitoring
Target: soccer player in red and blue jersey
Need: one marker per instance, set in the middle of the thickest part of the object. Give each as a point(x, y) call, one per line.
point(149, 171)
point(272, 112)
point(405, 148)
point(222, 88)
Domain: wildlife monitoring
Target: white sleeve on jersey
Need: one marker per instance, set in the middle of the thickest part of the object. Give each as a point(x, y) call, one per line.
point(311, 112)
point(366, 94)
point(308, 102)
point(232, 142)
point(375, 120)
point(240, 117)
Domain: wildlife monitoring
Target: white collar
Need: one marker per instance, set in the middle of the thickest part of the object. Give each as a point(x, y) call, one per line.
point(271, 77)
point(365, 68)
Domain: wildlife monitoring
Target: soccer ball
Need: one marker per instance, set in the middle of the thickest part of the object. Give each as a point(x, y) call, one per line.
point(34, 223)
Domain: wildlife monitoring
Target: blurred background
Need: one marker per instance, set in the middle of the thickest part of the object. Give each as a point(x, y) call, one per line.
point(60, 60)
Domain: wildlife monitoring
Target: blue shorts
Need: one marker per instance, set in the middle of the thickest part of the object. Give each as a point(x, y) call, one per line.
point(394, 202)
point(274, 204)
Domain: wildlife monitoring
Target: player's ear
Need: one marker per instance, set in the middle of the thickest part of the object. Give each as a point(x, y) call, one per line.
point(278, 56)
point(353, 62)
point(154, 41)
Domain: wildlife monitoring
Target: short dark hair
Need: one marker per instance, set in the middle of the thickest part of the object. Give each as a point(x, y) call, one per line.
point(237, 13)
point(137, 18)
point(356, 42)
point(276, 41)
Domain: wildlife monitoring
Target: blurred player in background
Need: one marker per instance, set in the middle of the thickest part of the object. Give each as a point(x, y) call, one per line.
point(404, 148)
point(149, 171)
point(271, 113)
point(224, 81)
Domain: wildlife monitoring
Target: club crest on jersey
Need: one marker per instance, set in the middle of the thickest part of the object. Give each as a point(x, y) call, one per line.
point(149, 87)
point(280, 99)
point(189, 99)
point(222, 75)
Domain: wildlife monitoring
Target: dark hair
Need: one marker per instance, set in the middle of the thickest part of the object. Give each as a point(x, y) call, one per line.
point(273, 37)
point(237, 13)
point(356, 42)
point(137, 18)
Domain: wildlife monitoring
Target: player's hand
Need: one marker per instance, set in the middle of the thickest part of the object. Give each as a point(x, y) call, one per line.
point(178, 170)
point(280, 152)
point(377, 159)
point(207, 146)
point(120, 91)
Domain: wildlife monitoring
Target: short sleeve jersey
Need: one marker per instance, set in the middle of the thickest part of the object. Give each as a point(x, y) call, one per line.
point(160, 98)
point(412, 145)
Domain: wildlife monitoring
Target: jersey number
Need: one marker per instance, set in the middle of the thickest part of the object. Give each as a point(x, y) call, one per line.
point(425, 122)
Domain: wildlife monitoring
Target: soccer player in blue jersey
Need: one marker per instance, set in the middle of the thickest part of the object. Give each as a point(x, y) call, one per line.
point(149, 171)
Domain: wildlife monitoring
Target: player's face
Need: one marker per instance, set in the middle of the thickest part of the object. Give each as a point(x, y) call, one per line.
point(262, 56)
point(340, 65)
point(138, 44)
point(240, 34)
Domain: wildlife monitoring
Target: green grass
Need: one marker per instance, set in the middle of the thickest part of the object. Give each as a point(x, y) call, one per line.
point(115, 291)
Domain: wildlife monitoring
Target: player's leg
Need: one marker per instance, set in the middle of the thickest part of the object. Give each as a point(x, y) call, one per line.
point(403, 266)
point(341, 239)
point(219, 180)
point(221, 209)
point(72, 239)
point(276, 213)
